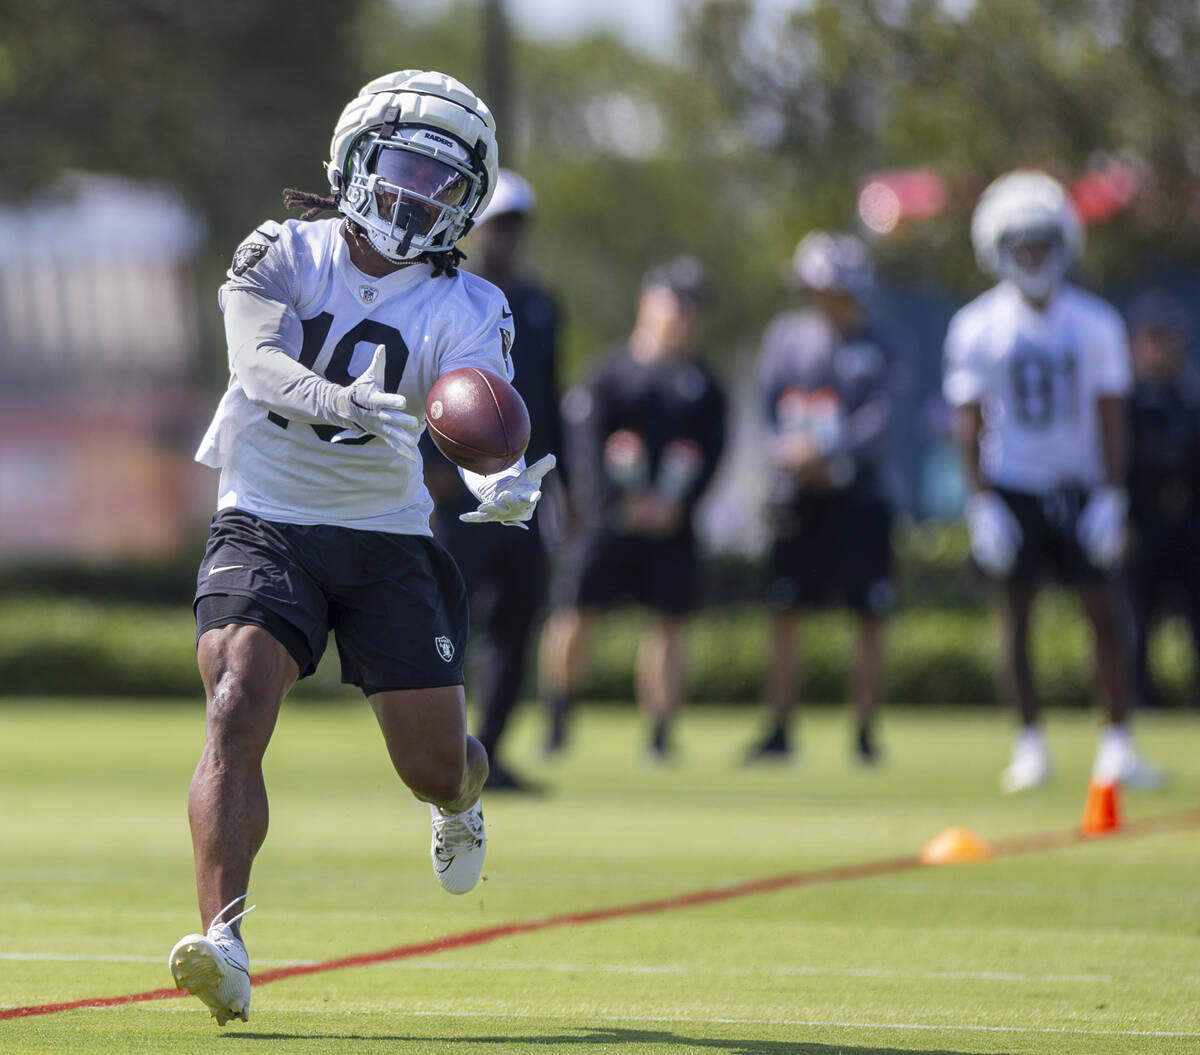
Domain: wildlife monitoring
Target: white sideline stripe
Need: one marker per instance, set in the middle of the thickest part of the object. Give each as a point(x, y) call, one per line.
point(617, 968)
point(581, 1021)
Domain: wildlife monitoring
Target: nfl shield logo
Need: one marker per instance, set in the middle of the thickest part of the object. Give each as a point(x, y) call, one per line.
point(368, 294)
point(445, 647)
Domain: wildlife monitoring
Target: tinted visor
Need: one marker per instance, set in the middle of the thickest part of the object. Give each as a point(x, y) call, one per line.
point(419, 182)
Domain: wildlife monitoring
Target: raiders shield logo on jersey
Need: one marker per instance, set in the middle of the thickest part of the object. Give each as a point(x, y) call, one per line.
point(247, 255)
point(445, 647)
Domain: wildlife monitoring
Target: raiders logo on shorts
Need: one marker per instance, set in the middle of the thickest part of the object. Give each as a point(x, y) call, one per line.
point(445, 647)
point(247, 255)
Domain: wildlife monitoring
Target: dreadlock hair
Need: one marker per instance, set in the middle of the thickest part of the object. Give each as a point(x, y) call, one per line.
point(443, 263)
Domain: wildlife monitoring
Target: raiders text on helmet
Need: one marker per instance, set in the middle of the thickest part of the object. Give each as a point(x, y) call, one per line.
point(1020, 210)
point(413, 159)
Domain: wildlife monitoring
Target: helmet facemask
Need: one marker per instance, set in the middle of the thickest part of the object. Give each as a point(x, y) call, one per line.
point(411, 193)
point(1035, 259)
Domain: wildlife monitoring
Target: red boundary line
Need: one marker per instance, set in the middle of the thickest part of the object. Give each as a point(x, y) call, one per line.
point(887, 866)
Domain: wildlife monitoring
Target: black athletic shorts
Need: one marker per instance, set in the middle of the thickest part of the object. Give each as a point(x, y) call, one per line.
point(1050, 549)
point(608, 568)
point(395, 603)
point(829, 551)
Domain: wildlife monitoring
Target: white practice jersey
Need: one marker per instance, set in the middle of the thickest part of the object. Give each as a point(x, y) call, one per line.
point(1037, 376)
point(300, 318)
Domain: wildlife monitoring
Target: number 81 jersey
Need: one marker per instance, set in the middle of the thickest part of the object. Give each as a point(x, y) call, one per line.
point(299, 314)
point(1037, 375)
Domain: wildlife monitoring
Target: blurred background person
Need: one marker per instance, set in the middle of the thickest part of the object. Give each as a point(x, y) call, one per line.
point(1038, 373)
point(647, 431)
point(826, 380)
point(505, 571)
point(1164, 479)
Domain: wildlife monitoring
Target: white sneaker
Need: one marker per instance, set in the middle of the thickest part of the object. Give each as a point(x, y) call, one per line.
point(459, 843)
point(216, 968)
point(1030, 765)
point(1118, 762)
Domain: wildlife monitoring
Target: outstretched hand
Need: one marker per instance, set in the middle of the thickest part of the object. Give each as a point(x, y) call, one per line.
point(514, 503)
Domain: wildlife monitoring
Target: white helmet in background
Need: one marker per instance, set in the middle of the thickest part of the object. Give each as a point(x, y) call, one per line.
point(1025, 209)
point(413, 159)
point(513, 195)
point(831, 260)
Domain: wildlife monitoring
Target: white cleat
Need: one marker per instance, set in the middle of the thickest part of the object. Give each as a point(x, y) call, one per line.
point(1118, 762)
point(459, 844)
point(216, 968)
point(1030, 765)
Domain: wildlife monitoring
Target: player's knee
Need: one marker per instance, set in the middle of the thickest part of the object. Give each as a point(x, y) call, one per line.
point(239, 722)
point(441, 786)
point(438, 775)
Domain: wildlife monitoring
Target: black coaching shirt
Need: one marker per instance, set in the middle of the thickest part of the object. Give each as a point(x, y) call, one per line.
point(658, 408)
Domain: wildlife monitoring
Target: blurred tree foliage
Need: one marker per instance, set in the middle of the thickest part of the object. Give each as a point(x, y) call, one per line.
point(757, 132)
point(973, 89)
point(229, 101)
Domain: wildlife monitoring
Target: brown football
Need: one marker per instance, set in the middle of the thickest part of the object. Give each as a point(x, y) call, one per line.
point(477, 419)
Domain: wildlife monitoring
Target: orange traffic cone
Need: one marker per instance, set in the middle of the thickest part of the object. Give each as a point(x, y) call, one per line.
point(954, 846)
point(1101, 809)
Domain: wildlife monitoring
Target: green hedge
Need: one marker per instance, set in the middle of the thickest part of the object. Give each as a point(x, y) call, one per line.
point(74, 646)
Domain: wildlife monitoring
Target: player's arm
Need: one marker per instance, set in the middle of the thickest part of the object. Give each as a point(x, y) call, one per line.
point(967, 427)
point(265, 335)
point(994, 532)
point(1102, 523)
point(261, 330)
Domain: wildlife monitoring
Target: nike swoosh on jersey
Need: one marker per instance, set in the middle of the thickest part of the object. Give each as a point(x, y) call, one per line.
point(505, 314)
point(268, 237)
point(225, 567)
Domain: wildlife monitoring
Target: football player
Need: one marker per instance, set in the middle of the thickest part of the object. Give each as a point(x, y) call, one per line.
point(648, 429)
point(1037, 371)
point(336, 330)
point(827, 380)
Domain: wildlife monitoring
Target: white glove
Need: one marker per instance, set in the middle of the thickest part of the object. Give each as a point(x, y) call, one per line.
point(514, 498)
point(364, 406)
point(994, 531)
point(1101, 528)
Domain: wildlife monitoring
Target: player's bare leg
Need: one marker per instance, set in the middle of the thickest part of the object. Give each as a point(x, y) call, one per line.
point(660, 672)
point(867, 683)
point(1111, 673)
point(1016, 672)
point(426, 735)
point(563, 659)
point(246, 673)
point(1117, 758)
point(1030, 764)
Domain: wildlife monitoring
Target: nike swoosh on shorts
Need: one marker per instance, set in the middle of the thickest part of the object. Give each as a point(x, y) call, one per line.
point(225, 567)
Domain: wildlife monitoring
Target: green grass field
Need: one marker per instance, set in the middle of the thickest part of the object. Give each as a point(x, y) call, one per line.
point(1091, 948)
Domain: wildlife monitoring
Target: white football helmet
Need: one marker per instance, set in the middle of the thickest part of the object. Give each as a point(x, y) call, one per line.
point(832, 260)
point(413, 159)
point(1026, 230)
